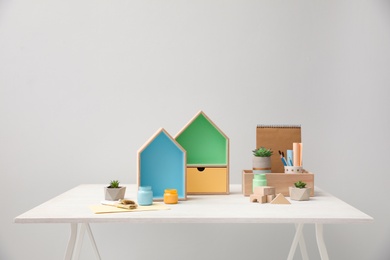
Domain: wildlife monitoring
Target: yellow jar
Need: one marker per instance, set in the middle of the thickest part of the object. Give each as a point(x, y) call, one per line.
point(170, 196)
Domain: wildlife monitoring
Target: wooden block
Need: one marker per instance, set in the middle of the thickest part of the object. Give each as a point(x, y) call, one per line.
point(270, 198)
point(280, 199)
point(264, 190)
point(281, 181)
point(253, 198)
point(258, 198)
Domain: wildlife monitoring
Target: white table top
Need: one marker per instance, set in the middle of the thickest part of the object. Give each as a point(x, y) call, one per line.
point(73, 207)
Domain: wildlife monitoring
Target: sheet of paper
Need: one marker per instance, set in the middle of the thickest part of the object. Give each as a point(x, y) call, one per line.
point(101, 209)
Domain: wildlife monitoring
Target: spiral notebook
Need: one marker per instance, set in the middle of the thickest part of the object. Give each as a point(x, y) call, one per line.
point(277, 137)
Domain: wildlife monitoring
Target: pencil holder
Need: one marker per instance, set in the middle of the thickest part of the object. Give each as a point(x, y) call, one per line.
point(293, 169)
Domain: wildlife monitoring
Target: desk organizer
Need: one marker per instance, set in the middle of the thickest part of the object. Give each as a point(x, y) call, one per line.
point(293, 169)
point(162, 165)
point(207, 150)
point(281, 181)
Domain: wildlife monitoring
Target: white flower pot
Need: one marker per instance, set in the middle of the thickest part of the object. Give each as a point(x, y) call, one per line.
point(299, 194)
point(114, 193)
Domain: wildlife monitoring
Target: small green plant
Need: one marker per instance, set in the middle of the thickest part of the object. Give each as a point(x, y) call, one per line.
point(114, 184)
point(300, 184)
point(262, 152)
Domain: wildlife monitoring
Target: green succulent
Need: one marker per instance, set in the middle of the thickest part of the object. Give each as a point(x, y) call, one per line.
point(262, 152)
point(114, 184)
point(300, 184)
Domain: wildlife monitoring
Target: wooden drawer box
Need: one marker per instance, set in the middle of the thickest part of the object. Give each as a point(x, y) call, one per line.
point(281, 181)
point(207, 180)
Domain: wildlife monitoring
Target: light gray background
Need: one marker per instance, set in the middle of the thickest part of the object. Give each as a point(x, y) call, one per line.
point(83, 84)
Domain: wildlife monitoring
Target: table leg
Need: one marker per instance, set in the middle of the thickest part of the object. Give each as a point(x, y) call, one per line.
point(79, 242)
point(76, 241)
point(297, 238)
point(320, 242)
point(72, 241)
point(92, 240)
point(302, 246)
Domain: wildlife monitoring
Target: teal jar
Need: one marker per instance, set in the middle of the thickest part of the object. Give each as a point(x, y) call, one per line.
point(145, 196)
point(259, 180)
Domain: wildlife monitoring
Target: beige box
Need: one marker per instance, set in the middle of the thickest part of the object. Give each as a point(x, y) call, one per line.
point(281, 181)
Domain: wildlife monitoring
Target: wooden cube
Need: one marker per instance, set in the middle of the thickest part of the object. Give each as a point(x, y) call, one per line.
point(264, 190)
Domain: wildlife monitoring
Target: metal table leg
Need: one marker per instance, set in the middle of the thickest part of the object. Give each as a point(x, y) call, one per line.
point(72, 241)
point(320, 242)
point(76, 241)
point(298, 238)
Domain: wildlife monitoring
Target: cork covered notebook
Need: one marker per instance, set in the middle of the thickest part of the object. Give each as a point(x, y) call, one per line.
point(277, 137)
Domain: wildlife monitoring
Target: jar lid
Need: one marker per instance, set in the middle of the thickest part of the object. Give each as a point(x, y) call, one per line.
point(145, 188)
point(171, 191)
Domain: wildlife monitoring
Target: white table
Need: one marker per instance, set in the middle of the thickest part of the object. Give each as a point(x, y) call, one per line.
point(72, 207)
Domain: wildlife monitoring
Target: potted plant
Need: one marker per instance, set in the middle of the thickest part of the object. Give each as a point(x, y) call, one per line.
point(299, 191)
point(114, 191)
point(261, 160)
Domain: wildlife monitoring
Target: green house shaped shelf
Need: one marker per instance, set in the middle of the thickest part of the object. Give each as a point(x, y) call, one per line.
point(207, 156)
point(162, 165)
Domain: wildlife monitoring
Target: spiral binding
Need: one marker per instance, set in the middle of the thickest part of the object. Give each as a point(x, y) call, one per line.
point(278, 126)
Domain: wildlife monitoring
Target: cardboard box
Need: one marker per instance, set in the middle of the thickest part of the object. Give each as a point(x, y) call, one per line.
point(281, 181)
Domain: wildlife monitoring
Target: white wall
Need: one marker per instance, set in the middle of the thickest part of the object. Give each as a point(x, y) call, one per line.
point(83, 84)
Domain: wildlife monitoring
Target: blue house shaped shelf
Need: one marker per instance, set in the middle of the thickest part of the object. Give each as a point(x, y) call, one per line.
point(162, 165)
